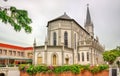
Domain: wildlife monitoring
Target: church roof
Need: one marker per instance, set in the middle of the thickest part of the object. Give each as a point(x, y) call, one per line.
point(64, 16)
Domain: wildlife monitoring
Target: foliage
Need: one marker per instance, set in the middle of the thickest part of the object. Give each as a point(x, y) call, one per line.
point(23, 67)
point(99, 68)
point(31, 70)
point(110, 56)
point(60, 69)
point(75, 68)
point(118, 63)
point(40, 68)
point(17, 18)
point(84, 67)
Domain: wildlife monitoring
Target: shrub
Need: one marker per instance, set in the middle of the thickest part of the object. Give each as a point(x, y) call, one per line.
point(31, 69)
point(75, 69)
point(23, 67)
point(99, 68)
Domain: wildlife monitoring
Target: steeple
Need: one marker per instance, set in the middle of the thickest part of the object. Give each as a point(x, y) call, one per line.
point(88, 23)
point(34, 44)
point(88, 17)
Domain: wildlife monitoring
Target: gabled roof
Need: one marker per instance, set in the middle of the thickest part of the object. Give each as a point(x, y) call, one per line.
point(64, 16)
point(15, 47)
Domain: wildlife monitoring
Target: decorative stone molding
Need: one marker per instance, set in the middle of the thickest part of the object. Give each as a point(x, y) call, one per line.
point(4, 70)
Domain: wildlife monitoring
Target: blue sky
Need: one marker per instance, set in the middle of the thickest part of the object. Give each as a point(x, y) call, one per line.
point(105, 15)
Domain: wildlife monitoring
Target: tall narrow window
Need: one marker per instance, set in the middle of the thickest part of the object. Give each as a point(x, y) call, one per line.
point(22, 54)
point(54, 39)
point(87, 56)
point(18, 53)
point(14, 52)
point(78, 56)
point(10, 52)
point(54, 60)
point(82, 56)
point(75, 40)
point(39, 60)
point(5, 52)
point(66, 39)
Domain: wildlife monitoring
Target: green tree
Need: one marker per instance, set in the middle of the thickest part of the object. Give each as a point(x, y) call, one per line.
point(110, 56)
point(17, 18)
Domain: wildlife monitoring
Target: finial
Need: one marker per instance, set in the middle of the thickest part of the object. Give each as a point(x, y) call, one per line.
point(34, 42)
point(64, 13)
point(87, 5)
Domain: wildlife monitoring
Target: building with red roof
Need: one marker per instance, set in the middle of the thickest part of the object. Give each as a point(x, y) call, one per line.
point(12, 54)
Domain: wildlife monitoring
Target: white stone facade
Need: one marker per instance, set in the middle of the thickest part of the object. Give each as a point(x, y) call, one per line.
point(69, 43)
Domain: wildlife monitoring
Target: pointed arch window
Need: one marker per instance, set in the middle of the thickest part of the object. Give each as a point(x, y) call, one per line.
point(66, 39)
point(39, 59)
point(82, 56)
point(54, 39)
point(54, 60)
point(87, 56)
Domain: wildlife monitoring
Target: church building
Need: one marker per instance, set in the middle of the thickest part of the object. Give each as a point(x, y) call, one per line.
point(68, 43)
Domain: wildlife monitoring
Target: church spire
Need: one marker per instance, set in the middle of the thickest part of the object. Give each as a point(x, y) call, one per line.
point(88, 17)
point(88, 23)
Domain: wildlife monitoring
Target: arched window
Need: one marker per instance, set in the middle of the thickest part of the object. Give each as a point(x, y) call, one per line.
point(66, 39)
point(54, 39)
point(78, 56)
point(82, 56)
point(67, 60)
point(54, 60)
point(87, 56)
point(39, 59)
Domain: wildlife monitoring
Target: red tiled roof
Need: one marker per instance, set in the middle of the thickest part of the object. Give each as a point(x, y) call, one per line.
point(15, 47)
